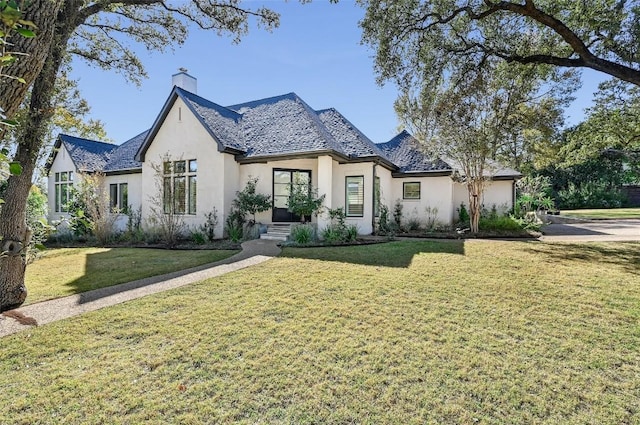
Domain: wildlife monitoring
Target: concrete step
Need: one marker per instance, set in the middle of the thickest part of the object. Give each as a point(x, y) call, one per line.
point(277, 232)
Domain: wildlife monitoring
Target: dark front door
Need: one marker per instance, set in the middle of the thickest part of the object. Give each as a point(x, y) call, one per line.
point(282, 182)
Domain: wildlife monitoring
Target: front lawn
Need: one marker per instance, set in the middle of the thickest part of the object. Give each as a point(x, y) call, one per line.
point(66, 271)
point(599, 214)
point(411, 332)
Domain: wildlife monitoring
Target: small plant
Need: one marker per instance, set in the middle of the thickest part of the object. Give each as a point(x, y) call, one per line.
point(432, 217)
point(235, 224)
point(463, 214)
point(397, 214)
point(303, 233)
point(338, 231)
point(384, 227)
point(208, 228)
point(198, 237)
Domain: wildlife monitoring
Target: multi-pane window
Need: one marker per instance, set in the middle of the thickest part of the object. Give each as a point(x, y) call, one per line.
point(411, 190)
point(119, 197)
point(355, 196)
point(180, 186)
point(63, 184)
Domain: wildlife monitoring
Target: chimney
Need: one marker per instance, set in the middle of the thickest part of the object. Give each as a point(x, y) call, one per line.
point(185, 81)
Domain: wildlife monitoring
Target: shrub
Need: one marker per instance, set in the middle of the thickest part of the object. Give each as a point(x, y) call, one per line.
point(412, 224)
point(304, 200)
point(591, 194)
point(499, 223)
point(249, 202)
point(384, 226)
point(235, 223)
point(432, 217)
point(208, 228)
point(463, 214)
point(303, 233)
point(338, 231)
point(397, 214)
point(198, 237)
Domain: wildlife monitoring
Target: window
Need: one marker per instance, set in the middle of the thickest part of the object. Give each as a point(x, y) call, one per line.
point(63, 193)
point(119, 197)
point(411, 190)
point(180, 186)
point(355, 196)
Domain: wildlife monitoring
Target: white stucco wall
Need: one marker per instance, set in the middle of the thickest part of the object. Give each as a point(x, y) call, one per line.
point(435, 193)
point(340, 173)
point(182, 136)
point(134, 190)
point(61, 163)
point(264, 173)
point(498, 193)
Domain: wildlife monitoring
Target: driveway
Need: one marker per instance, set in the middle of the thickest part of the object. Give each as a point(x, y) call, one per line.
point(592, 230)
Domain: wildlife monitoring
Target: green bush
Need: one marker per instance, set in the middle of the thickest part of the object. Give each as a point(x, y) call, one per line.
point(463, 215)
point(591, 194)
point(384, 226)
point(339, 231)
point(303, 233)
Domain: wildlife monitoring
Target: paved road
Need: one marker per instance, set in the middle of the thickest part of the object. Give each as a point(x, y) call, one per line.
point(595, 230)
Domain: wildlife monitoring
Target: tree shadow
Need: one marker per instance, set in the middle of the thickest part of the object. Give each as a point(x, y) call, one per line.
point(625, 255)
point(103, 277)
point(389, 254)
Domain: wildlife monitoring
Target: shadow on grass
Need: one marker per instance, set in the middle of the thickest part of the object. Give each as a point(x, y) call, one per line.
point(389, 254)
point(625, 255)
point(107, 275)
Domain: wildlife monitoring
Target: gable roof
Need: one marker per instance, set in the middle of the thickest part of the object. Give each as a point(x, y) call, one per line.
point(87, 155)
point(278, 126)
point(123, 157)
point(406, 153)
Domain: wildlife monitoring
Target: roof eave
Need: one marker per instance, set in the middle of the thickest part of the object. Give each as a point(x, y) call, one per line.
point(434, 173)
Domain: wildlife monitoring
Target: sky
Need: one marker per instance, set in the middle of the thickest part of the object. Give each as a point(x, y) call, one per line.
point(316, 53)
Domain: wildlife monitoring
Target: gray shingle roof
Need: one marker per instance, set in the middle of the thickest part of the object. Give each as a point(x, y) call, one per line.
point(407, 154)
point(87, 155)
point(281, 125)
point(123, 157)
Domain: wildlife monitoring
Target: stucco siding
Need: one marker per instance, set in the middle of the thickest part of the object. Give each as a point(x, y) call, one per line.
point(61, 163)
point(182, 137)
point(134, 195)
point(498, 193)
point(341, 172)
point(436, 194)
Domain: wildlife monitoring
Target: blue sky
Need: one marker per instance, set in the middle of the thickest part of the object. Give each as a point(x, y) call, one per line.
point(316, 52)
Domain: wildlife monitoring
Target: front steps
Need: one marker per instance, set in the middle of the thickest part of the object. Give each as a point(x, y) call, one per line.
point(277, 232)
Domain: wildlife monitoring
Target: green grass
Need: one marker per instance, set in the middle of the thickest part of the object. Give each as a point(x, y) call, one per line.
point(603, 213)
point(402, 333)
point(66, 271)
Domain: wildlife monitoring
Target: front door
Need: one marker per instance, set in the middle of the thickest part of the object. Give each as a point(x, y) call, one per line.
point(282, 182)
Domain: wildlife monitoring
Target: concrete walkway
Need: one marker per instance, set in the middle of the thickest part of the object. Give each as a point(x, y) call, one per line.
point(253, 252)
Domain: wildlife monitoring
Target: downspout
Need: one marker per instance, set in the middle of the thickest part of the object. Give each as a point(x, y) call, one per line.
point(373, 201)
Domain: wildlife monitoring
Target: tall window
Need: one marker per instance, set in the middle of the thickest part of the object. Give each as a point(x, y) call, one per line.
point(180, 186)
point(376, 197)
point(355, 196)
point(63, 194)
point(119, 197)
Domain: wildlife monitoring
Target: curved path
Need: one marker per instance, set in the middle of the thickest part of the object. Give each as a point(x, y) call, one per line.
point(253, 252)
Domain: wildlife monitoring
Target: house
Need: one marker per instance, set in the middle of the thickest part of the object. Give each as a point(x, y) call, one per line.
point(206, 152)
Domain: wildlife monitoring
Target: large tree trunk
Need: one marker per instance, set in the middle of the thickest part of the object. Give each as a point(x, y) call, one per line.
point(13, 227)
point(43, 13)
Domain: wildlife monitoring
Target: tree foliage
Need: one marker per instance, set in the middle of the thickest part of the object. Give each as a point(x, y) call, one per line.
point(440, 36)
point(102, 32)
point(248, 201)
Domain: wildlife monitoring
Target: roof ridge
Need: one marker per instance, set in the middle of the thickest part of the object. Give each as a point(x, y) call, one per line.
point(254, 103)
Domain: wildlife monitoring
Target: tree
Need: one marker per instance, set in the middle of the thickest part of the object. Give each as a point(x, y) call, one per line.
point(470, 120)
point(445, 35)
point(97, 31)
point(249, 202)
point(303, 199)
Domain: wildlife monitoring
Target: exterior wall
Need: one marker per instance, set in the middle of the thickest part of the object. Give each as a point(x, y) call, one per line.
point(264, 173)
point(435, 192)
point(497, 192)
point(61, 163)
point(182, 136)
point(134, 192)
point(340, 173)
